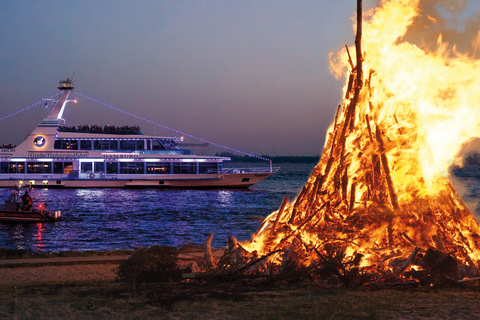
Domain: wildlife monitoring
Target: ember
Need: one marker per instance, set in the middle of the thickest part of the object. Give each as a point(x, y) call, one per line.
point(379, 205)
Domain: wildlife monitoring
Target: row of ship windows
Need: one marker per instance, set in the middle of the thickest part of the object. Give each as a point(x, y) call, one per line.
point(110, 167)
point(112, 144)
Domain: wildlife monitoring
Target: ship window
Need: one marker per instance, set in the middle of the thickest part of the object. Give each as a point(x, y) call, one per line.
point(67, 167)
point(67, 144)
point(127, 144)
point(39, 167)
point(158, 167)
point(112, 167)
point(185, 168)
point(86, 144)
point(58, 167)
point(86, 167)
point(99, 167)
point(132, 168)
point(245, 179)
point(62, 167)
point(208, 167)
point(4, 167)
point(16, 167)
point(148, 145)
point(157, 145)
point(105, 144)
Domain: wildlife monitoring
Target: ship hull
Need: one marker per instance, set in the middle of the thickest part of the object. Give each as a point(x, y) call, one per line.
point(212, 181)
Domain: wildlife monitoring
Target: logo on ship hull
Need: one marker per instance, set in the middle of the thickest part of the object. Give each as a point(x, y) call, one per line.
point(39, 141)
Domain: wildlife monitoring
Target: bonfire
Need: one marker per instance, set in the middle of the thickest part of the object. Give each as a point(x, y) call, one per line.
point(379, 203)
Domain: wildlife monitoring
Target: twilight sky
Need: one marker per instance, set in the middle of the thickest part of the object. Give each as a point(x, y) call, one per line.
point(252, 75)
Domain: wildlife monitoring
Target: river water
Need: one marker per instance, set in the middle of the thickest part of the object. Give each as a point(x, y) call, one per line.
point(109, 219)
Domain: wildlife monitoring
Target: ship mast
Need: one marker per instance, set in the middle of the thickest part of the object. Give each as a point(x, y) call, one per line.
point(57, 111)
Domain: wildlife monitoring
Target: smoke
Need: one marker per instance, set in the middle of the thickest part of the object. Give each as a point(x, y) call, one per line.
point(462, 188)
point(456, 22)
point(468, 155)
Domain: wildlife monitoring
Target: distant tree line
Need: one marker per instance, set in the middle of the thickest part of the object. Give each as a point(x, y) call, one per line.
point(296, 159)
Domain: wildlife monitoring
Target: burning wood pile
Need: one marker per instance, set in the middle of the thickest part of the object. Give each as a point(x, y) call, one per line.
point(378, 206)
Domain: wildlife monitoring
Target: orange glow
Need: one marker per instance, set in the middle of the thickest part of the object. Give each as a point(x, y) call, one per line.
point(381, 187)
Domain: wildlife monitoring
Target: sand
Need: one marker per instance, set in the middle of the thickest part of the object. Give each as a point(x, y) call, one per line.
point(82, 272)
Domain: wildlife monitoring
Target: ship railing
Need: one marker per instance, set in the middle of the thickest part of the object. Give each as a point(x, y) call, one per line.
point(243, 170)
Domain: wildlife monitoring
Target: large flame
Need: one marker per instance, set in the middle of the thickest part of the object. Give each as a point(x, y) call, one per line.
point(383, 189)
point(429, 97)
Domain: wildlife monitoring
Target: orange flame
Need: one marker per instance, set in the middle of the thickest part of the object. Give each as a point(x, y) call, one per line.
point(423, 102)
point(428, 97)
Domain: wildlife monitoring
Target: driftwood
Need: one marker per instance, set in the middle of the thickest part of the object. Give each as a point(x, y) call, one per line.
point(408, 262)
point(208, 256)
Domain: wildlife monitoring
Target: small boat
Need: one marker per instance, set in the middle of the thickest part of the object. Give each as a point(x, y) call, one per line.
point(13, 211)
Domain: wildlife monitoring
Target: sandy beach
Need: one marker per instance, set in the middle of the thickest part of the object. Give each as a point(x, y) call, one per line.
point(65, 273)
point(86, 287)
point(68, 269)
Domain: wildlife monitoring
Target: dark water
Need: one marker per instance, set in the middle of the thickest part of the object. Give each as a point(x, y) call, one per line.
point(108, 219)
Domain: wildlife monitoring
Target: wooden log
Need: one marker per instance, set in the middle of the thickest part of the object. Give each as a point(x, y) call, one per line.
point(367, 120)
point(386, 169)
point(352, 196)
point(296, 204)
point(327, 171)
point(370, 87)
point(302, 225)
point(345, 183)
point(388, 257)
point(208, 256)
point(251, 263)
point(408, 262)
point(335, 134)
point(232, 242)
point(404, 235)
point(470, 279)
point(358, 44)
point(350, 123)
point(376, 170)
point(349, 58)
point(280, 212)
point(396, 120)
point(349, 85)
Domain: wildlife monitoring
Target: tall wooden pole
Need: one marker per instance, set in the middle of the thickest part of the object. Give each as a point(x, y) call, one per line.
point(358, 44)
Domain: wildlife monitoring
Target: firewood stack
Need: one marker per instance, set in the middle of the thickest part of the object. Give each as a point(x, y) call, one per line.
point(353, 208)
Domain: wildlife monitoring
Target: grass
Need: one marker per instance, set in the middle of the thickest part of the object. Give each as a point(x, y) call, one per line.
point(230, 300)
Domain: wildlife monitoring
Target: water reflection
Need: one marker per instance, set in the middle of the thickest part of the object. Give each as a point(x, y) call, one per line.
point(38, 236)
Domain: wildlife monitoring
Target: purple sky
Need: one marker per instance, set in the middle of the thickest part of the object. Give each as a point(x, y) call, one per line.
point(252, 75)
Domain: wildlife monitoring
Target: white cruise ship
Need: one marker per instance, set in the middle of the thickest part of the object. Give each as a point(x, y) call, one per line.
point(56, 156)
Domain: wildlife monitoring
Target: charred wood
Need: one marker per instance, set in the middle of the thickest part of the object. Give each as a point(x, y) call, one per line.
point(280, 212)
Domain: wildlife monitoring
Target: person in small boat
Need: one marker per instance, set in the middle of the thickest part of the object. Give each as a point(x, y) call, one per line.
point(27, 201)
